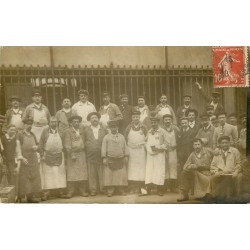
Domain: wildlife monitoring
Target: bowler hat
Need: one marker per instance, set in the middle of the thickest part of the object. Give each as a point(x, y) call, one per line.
point(224, 137)
point(216, 94)
point(36, 92)
point(135, 112)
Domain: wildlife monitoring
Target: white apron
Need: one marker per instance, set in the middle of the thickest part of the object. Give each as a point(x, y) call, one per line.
point(16, 119)
point(164, 111)
point(39, 117)
point(171, 157)
point(155, 166)
point(104, 119)
point(53, 177)
point(137, 155)
point(143, 115)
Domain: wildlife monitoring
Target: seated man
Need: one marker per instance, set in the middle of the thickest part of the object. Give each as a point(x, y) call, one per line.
point(226, 167)
point(196, 171)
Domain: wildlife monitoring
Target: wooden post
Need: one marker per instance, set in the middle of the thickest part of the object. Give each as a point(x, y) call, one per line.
point(53, 77)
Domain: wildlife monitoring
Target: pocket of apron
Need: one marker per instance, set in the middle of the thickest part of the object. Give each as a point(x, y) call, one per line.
point(115, 163)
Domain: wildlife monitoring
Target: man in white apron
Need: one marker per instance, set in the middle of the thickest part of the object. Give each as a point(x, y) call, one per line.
point(39, 113)
point(163, 108)
point(53, 167)
point(15, 113)
point(83, 107)
point(135, 134)
point(172, 133)
point(109, 111)
point(155, 165)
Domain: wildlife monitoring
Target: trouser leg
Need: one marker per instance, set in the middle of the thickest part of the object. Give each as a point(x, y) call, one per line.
point(70, 187)
point(186, 180)
point(82, 186)
point(237, 181)
point(216, 185)
point(110, 190)
point(93, 177)
point(100, 173)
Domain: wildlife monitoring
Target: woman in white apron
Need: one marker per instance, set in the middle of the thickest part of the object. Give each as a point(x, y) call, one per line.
point(155, 166)
point(53, 170)
point(136, 137)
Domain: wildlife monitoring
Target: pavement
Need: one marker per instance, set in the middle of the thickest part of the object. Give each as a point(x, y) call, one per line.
point(168, 198)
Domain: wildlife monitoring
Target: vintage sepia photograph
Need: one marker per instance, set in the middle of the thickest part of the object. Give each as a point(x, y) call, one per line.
point(124, 124)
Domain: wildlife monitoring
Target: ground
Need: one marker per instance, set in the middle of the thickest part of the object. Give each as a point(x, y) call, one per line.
point(168, 198)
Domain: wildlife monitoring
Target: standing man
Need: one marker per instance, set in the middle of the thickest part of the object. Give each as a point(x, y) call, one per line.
point(185, 145)
point(63, 116)
point(94, 135)
point(135, 136)
point(233, 119)
point(226, 166)
point(155, 165)
point(83, 107)
point(163, 108)
point(76, 167)
point(192, 115)
point(115, 159)
point(210, 112)
point(15, 113)
point(243, 136)
point(214, 100)
point(126, 113)
point(172, 133)
point(186, 105)
point(28, 166)
point(206, 133)
point(109, 111)
point(53, 167)
point(196, 172)
point(225, 129)
point(8, 145)
point(143, 109)
point(39, 113)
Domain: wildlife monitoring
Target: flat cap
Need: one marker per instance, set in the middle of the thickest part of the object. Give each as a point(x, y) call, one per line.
point(14, 97)
point(74, 117)
point(93, 113)
point(83, 91)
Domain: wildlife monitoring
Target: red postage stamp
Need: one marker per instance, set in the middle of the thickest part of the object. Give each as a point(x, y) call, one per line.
point(229, 67)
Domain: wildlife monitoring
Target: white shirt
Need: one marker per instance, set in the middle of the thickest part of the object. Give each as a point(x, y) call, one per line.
point(83, 109)
point(66, 110)
point(95, 131)
point(191, 124)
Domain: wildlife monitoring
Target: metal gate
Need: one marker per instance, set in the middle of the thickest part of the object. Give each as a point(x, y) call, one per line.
point(60, 82)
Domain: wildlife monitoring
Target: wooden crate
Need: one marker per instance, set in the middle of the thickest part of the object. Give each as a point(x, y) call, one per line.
point(7, 194)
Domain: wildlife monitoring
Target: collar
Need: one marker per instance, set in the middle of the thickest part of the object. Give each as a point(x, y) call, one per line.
point(145, 107)
point(153, 131)
point(53, 131)
point(207, 127)
point(97, 127)
point(228, 151)
point(76, 131)
point(170, 128)
point(37, 107)
point(163, 106)
point(193, 122)
point(8, 137)
point(186, 107)
point(66, 110)
point(85, 103)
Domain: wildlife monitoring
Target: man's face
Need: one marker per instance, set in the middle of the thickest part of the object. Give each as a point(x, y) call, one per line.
point(124, 100)
point(141, 102)
point(210, 112)
point(154, 124)
point(15, 104)
point(114, 130)
point(135, 119)
point(197, 146)
point(94, 120)
point(215, 122)
point(106, 100)
point(224, 144)
point(37, 99)
point(27, 127)
point(66, 103)
point(215, 99)
point(191, 116)
point(184, 123)
point(76, 123)
point(163, 99)
point(233, 120)
point(205, 122)
point(167, 121)
point(11, 131)
point(53, 124)
point(222, 119)
point(187, 100)
point(83, 98)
